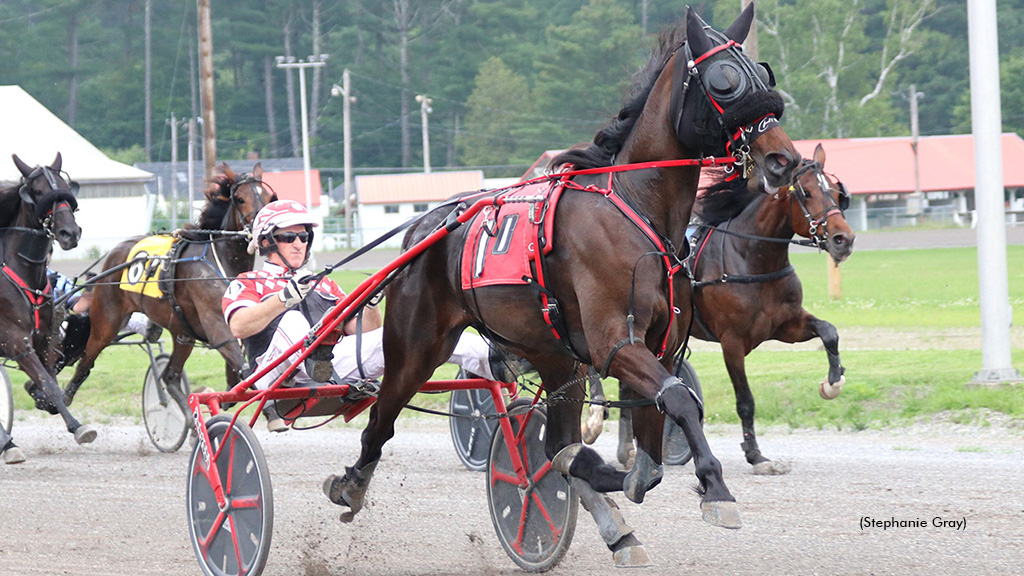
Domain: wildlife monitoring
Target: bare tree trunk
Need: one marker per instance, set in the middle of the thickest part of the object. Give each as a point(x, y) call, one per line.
point(314, 95)
point(73, 51)
point(268, 93)
point(643, 15)
point(289, 79)
point(149, 79)
point(403, 21)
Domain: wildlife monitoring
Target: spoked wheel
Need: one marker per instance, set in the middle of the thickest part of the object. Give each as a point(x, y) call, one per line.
point(675, 449)
point(471, 435)
point(167, 423)
point(7, 401)
point(234, 541)
point(534, 519)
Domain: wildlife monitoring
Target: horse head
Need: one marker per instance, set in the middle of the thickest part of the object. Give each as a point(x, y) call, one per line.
point(238, 198)
point(817, 211)
point(48, 202)
point(724, 103)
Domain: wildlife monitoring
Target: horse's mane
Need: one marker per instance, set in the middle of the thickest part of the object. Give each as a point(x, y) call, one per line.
point(610, 139)
point(10, 205)
point(723, 199)
point(217, 204)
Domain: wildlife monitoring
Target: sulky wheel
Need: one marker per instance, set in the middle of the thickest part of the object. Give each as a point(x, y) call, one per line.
point(234, 541)
point(471, 434)
point(674, 448)
point(535, 518)
point(6, 401)
point(167, 423)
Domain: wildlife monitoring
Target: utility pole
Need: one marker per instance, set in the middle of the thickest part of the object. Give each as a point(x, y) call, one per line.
point(915, 134)
point(206, 88)
point(986, 124)
point(174, 172)
point(148, 36)
point(315, 61)
point(345, 90)
point(191, 160)
point(425, 109)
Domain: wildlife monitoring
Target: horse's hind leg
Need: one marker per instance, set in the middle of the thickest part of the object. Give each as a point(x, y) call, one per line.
point(105, 321)
point(735, 363)
point(594, 424)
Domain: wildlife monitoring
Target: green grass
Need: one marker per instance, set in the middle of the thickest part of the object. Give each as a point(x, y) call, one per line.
point(913, 289)
point(905, 288)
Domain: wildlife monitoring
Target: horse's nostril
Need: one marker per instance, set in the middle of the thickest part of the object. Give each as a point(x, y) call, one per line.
point(839, 239)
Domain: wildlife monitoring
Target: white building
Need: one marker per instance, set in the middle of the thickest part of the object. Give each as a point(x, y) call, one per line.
point(386, 201)
point(112, 201)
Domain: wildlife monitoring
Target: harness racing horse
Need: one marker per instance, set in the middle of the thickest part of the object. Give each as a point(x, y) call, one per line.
point(618, 307)
point(197, 269)
point(746, 291)
point(34, 212)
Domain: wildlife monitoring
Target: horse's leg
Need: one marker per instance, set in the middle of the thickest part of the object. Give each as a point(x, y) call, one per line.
point(626, 451)
point(735, 363)
point(105, 320)
point(171, 376)
point(44, 388)
point(637, 367)
point(586, 470)
point(12, 454)
point(594, 424)
point(803, 328)
point(411, 355)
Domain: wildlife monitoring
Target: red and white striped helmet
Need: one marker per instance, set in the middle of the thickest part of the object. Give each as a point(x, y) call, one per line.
point(278, 214)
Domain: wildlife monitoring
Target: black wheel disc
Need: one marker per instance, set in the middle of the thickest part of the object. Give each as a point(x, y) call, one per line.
point(535, 524)
point(167, 422)
point(6, 401)
point(675, 450)
point(472, 436)
point(235, 541)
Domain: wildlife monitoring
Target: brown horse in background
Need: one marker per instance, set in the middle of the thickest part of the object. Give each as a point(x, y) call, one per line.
point(34, 212)
point(745, 290)
point(208, 256)
point(618, 304)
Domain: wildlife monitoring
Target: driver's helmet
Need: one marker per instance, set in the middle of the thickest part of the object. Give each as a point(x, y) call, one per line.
point(275, 215)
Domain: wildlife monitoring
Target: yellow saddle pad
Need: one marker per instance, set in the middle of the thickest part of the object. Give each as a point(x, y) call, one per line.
point(147, 259)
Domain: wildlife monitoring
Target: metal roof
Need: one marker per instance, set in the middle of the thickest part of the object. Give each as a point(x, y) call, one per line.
point(416, 187)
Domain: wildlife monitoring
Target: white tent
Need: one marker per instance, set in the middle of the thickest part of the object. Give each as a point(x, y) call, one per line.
point(113, 204)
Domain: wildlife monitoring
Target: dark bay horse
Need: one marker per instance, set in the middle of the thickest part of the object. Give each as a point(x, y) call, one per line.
point(32, 213)
point(205, 258)
point(620, 308)
point(745, 290)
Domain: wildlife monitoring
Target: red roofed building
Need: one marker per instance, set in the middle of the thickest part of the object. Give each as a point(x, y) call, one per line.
point(292, 185)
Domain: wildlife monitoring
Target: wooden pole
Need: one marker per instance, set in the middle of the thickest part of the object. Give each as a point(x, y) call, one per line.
point(206, 88)
point(835, 281)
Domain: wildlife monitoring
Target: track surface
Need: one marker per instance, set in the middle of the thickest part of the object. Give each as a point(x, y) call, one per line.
point(117, 506)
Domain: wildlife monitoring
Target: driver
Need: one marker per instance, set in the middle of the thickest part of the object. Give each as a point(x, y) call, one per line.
point(272, 308)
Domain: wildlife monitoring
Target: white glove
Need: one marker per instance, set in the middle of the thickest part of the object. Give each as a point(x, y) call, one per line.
point(297, 289)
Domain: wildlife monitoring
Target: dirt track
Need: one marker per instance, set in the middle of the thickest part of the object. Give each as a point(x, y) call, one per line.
point(118, 507)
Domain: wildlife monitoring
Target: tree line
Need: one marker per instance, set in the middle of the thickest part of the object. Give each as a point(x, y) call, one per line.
point(507, 79)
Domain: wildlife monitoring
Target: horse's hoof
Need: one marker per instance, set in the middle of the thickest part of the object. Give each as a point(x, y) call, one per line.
point(350, 489)
point(722, 514)
point(771, 468)
point(632, 557)
point(593, 425)
point(830, 391)
point(13, 455)
point(84, 434)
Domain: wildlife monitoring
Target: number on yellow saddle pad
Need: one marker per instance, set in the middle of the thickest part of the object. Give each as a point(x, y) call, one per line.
point(147, 259)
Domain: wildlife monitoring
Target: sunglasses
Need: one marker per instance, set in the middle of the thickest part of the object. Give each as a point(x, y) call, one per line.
point(289, 237)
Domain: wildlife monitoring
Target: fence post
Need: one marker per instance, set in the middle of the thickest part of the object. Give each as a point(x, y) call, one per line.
point(835, 281)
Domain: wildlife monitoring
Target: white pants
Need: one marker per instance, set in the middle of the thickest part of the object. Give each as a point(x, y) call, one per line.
point(471, 352)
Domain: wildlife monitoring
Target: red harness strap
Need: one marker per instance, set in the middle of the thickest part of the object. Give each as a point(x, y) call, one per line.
point(651, 234)
point(35, 297)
